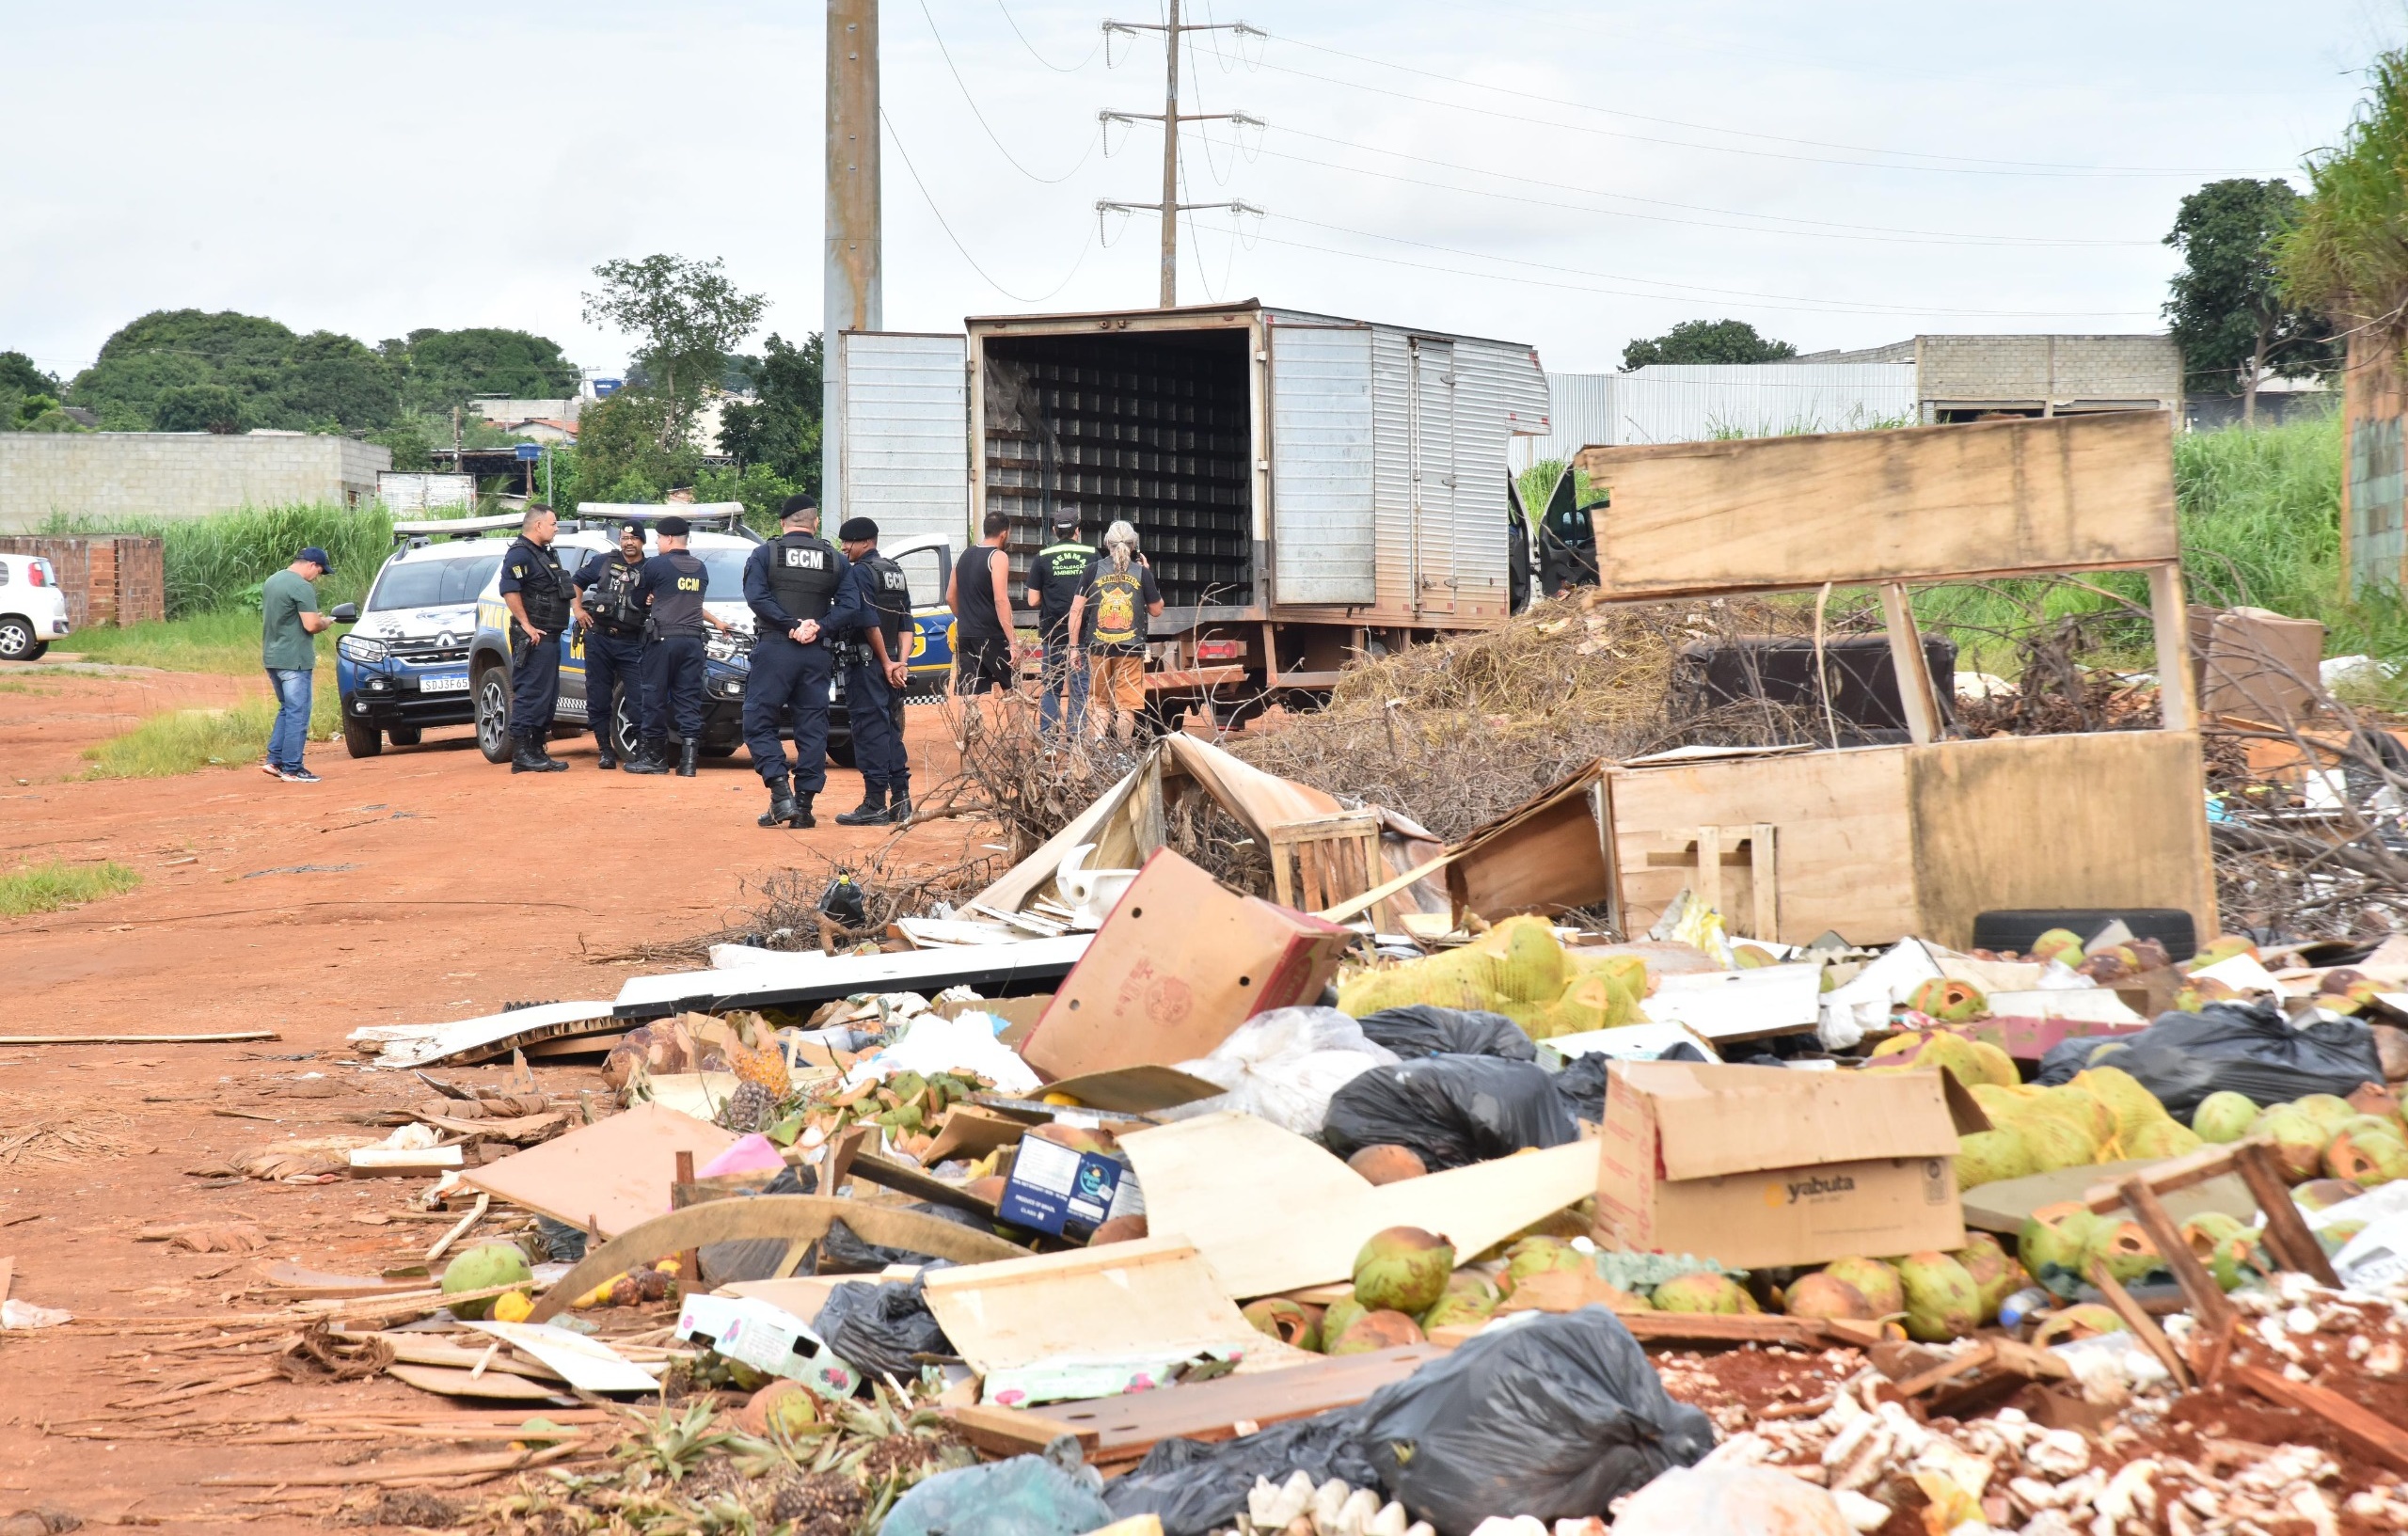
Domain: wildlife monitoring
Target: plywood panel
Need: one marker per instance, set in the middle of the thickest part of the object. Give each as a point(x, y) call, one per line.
point(2110, 819)
point(1985, 496)
point(1839, 822)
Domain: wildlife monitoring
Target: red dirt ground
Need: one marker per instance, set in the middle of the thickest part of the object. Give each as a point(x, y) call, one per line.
point(439, 886)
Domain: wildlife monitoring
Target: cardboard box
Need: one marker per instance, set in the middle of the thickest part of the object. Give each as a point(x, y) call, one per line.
point(2255, 662)
point(1759, 1166)
point(766, 1337)
point(1053, 1188)
point(1179, 964)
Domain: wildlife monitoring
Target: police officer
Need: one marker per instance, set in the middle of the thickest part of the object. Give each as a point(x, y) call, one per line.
point(543, 602)
point(672, 584)
point(791, 582)
point(613, 639)
point(1055, 577)
point(877, 593)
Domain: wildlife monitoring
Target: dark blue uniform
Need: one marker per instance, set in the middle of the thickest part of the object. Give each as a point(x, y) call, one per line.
point(876, 589)
point(792, 572)
point(673, 586)
point(533, 571)
point(613, 644)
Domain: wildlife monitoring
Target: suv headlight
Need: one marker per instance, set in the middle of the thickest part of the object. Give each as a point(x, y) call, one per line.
point(355, 648)
point(727, 647)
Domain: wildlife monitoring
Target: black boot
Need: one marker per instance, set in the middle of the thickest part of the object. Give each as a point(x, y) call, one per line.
point(802, 816)
point(780, 803)
point(526, 757)
point(651, 757)
point(686, 755)
point(539, 748)
point(898, 804)
point(871, 813)
point(604, 758)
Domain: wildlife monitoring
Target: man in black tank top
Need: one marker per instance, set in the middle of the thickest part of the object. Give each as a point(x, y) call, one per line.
point(979, 593)
point(673, 586)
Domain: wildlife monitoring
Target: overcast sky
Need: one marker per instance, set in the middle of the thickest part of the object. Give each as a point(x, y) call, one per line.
point(1563, 174)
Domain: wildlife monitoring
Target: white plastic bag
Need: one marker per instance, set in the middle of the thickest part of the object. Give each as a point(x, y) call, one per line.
point(1283, 1066)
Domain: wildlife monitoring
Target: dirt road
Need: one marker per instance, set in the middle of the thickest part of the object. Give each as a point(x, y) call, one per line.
point(423, 884)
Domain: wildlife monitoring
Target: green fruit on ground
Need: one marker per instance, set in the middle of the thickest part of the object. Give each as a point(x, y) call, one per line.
point(2133, 1106)
point(2124, 1248)
point(1986, 1156)
point(1338, 1317)
point(1378, 1330)
point(1703, 1293)
point(2160, 1139)
point(1537, 1255)
point(1752, 956)
point(1950, 1001)
point(2057, 944)
point(2052, 1242)
point(1470, 1297)
point(1995, 1276)
point(2368, 1155)
point(482, 1267)
point(1387, 1164)
point(2088, 1321)
point(2054, 1141)
point(1998, 1064)
point(2224, 1246)
point(1875, 1281)
point(2298, 1140)
point(779, 1412)
point(1289, 1321)
point(1932, 1048)
point(1942, 1301)
point(2223, 947)
point(1402, 1269)
point(2328, 1110)
point(2223, 1116)
point(1821, 1296)
point(2083, 1107)
point(2324, 1194)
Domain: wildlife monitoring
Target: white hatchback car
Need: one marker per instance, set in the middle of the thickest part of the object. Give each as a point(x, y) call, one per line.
point(33, 607)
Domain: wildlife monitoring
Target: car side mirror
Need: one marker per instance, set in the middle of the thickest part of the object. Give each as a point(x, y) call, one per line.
point(346, 614)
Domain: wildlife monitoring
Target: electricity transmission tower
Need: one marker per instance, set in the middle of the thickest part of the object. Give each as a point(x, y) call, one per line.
point(1170, 118)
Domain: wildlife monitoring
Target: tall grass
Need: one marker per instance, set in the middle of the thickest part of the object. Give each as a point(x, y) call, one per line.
point(47, 887)
point(213, 561)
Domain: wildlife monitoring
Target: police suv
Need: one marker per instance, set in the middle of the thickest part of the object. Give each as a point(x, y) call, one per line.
point(404, 664)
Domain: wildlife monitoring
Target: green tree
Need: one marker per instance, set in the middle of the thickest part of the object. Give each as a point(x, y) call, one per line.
point(318, 382)
point(199, 407)
point(19, 374)
point(685, 318)
point(2345, 257)
point(782, 430)
point(2227, 308)
point(620, 456)
point(1705, 341)
point(437, 369)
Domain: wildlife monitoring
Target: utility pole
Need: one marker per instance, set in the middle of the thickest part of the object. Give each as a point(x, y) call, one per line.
point(851, 273)
point(1170, 207)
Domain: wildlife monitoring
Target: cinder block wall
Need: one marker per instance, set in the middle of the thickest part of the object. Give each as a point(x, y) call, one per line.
point(2061, 369)
point(176, 474)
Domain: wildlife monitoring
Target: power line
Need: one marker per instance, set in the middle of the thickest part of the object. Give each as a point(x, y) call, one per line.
point(1719, 148)
point(925, 197)
point(1058, 69)
point(1959, 160)
point(946, 54)
point(1826, 230)
point(1746, 299)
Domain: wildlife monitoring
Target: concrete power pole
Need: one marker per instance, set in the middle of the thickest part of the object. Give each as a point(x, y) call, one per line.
point(852, 279)
point(1170, 207)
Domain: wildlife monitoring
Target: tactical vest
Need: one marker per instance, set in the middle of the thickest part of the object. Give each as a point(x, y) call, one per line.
point(543, 590)
point(677, 609)
point(803, 575)
point(890, 592)
point(611, 601)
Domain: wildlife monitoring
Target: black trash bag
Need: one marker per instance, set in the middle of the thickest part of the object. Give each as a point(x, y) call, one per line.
point(878, 1328)
point(563, 1243)
point(1420, 1029)
point(1554, 1418)
point(1581, 1087)
point(1194, 1488)
point(755, 1258)
point(844, 1251)
point(2246, 1047)
point(1451, 1110)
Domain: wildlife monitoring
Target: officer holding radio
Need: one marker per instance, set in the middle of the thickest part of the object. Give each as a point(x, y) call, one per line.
point(792, 583)
point(613, 640)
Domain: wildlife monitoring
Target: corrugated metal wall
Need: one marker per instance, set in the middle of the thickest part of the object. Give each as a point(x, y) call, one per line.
point(1324, 504)
point(1500, 387)
point(1675, 403)
point(906, 463)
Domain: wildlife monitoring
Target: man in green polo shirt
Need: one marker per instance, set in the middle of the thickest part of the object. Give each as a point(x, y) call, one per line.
point(289, 623)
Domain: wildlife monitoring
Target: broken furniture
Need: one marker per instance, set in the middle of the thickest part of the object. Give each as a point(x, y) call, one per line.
point(1880, 842)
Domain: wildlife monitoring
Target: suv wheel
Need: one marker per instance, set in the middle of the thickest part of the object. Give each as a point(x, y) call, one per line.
point(361, 739)
point(18, 642)
point(493, 714)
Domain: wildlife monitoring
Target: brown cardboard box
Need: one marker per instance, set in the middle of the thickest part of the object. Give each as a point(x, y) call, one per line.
point(1179, 963)
point(1758, 1165)
point(2255, 662)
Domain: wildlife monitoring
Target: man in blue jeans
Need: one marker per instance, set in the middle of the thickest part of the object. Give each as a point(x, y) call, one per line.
point(289, 625)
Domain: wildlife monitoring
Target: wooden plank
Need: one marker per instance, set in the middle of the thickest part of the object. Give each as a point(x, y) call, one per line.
point(2143, 1326)
point(1711, 1328)
point(2124, 828)
point(2367, 1433)
point(2208, 1307)
point(1764, 881)
point(1984, 498)
point(1127, 1427)
point(2188, 1171)
point(2169, 615)
point(614, 1174)
point(1541, 856)
point(919, 1185)
point(1012, 1432)
point(229, 1037)
point(2287, 1236)
point(1153, 1294)
point(1908, 666)
point(452, 1382)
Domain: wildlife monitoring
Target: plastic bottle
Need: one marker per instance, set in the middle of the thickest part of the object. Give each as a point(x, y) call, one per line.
point(2019, 1308)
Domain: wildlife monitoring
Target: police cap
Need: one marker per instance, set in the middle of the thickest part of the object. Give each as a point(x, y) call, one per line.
point(857, 530)
point(676, 528)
